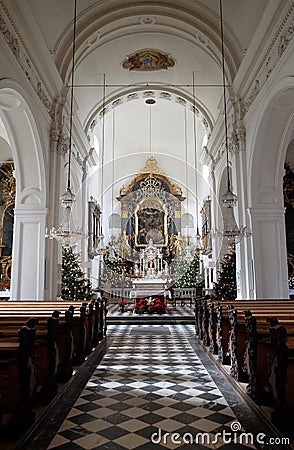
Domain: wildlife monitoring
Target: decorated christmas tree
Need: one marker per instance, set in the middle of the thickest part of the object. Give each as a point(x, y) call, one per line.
point(226, 286)
point(74, 284)
point(186, 272)
point(116, 269)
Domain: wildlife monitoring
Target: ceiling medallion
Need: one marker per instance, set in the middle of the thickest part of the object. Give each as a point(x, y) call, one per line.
point(147, 20)
point(148, 60)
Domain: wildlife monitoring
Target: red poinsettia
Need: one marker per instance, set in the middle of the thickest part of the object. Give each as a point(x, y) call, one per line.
point(150, 306)
point(122, 303)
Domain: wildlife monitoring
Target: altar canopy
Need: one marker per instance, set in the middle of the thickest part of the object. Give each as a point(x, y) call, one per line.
point(151, 274)
point(151, 264)
point(151, 209)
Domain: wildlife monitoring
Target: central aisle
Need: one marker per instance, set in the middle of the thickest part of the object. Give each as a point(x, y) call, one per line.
point(149, 383)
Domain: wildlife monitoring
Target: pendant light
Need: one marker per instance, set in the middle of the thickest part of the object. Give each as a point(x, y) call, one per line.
point(198, 246)
point(64, 233)
point(101, 248)
point(232, 234)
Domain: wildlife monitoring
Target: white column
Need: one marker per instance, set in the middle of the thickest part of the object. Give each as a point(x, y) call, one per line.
point(243, 249)
point(28, 257)
point(52, 286)
point(270, 255)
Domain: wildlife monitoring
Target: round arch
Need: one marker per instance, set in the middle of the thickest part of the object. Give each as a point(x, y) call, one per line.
point(274, 132)
point(28, 254)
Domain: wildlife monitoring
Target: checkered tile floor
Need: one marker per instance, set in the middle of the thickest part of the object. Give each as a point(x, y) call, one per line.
point(149, 386)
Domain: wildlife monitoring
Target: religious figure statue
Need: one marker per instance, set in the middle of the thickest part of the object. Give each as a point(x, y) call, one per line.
point(165, 269)
point(123, 242)
point(177, 243)
point(136, 270)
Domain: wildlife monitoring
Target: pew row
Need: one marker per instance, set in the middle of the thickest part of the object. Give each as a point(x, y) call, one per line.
point(39, 345)
point(256, 340)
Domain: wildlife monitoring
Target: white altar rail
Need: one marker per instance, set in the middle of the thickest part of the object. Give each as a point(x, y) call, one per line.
point(185, 293)
point(118, 293)
point(179, 293)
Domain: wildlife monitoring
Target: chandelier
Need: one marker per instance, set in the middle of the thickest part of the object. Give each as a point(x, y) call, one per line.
point(231, 233)
point(198, 246)
point(65, 234)
point(101, 250)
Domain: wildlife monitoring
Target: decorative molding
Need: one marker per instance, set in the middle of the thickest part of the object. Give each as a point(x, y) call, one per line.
point(77, 156)
point(155, 93)
point(59, 139)
point(12, 41)
point(237, 140)
point(285, 39)
point(13, 37)
point(279, 43)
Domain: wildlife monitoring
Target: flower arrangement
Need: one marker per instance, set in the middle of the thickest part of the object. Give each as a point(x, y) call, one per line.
point(150, 306)
point(5, 287)
point(122, 305)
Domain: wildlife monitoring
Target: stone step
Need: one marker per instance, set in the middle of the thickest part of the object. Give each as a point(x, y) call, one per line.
point(150, 320)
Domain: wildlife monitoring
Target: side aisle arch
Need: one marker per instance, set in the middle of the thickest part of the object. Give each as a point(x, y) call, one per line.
point(28, 256)
point(274, 133)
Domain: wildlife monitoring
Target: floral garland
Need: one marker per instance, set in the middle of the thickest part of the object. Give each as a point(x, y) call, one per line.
point(150, 306)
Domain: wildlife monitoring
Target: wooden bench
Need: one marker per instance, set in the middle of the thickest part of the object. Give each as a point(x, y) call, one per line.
point(61, 334)
point(241, 334)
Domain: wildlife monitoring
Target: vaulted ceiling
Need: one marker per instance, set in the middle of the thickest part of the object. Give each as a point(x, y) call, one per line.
point(110, 30)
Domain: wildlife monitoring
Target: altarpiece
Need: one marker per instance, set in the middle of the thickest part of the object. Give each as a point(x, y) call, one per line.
point(151, 209)
point(151, 223)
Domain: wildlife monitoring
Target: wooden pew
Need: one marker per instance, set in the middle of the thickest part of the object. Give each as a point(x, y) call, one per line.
point(270, 366)
point(249, 332)
point(62, 338)
point(213, 325)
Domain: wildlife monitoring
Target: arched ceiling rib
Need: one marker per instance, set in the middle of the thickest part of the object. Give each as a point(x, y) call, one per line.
point(157, 93)
point(98, 25)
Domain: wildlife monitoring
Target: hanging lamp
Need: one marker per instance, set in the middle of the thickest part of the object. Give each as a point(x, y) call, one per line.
point(232, 234)
point(198, 245)
point(101, 246)
point(65, 234)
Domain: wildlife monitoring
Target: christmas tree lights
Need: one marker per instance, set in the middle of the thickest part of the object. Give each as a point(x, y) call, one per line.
point(74, 284)
point(226, 286)
point(186, 273)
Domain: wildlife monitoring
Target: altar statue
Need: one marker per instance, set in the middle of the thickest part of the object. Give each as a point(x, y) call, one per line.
point(150, 263)
point(177, 243)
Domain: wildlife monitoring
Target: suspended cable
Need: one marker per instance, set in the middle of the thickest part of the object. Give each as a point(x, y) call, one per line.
point(186, 157)
point(102, 145)
point(64, 233)
point(72, 93)
point(113, 159)
point(198, 241)
point(195, 152)
point(150, 128)
point(231, 232)
point(224, 95)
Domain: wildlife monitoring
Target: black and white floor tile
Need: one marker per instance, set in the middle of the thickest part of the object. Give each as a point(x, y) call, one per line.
point(151, 391)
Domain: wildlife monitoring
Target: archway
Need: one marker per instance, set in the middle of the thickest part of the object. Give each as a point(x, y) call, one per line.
point(28, 256)
point(275, 129)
